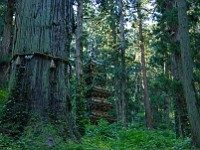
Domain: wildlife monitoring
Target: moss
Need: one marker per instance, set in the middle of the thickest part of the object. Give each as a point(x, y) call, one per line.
point(44, 134)
point(15, 116)
point(3, 98)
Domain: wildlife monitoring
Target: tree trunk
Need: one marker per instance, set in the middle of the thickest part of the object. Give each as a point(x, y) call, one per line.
point(39, 93)
point(80, 105)
point(79, 37)
point(116, 63)
point(187, 64)
point(147, 106)
point(167, 98)
point(123, 64)
point(6, 42)
point(181, 120)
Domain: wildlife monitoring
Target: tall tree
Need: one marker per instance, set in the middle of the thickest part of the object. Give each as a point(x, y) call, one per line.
point(144, 77)
point(79, 68)
point(123, 63)
point(181, 119)
point(187, 64)
point(39, 94)
point(116, 62)
point(79, 47)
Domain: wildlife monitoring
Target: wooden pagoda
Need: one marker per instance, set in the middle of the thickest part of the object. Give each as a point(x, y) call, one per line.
point(97, 96)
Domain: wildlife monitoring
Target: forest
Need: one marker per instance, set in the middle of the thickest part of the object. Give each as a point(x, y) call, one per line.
point(99, 74)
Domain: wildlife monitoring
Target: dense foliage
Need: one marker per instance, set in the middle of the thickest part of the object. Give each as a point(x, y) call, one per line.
point(105, 136)
point(139, 55)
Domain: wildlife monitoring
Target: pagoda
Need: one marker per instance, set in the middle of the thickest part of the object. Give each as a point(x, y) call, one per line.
point(97, 96)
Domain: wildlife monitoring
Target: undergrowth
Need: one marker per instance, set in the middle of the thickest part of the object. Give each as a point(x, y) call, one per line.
point(110, 137)
point(3, 98)
point(102, 137)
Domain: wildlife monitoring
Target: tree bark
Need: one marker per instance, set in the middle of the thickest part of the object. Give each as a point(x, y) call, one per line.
point(147, 106)
point(80, 105)
point(116, 63)
point(181, 119)
point(79, 36)
point(123, 64)
point(187, 64)
point(167, 98)
point(39, 75)
point(180, 110)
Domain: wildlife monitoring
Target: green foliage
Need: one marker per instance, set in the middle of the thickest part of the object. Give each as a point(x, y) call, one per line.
point(3, 95)
point(3, 98)
point(104, 137)
point(113, 137)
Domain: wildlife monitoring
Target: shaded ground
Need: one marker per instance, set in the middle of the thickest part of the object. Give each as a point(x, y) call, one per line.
point(103, 137)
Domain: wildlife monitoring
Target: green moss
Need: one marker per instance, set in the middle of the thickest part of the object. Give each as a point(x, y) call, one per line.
point(101, 137)
point(3, 98)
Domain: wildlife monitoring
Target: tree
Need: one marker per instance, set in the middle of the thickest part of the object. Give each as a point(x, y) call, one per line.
point(79, 68)
point(123, 64)
point(181, 119)
point(187, 64)
point(38, 85)
point(144, 78)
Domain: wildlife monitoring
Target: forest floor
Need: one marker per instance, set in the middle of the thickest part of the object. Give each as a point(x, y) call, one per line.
point(105, 137)
point(109, 137)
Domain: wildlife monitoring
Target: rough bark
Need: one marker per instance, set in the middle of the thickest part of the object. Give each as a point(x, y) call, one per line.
point(187, 64)
point(79, 37)
point(123, 64)
point(80, 105)
point(181, 119)
point(115, 55)
point(39, 76)
point(180, 110)
point(147, 106)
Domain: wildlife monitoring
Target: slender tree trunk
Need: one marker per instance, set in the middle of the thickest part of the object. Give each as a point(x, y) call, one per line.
point(115, 55)
point(123, 64)
point(187, 64)
point(79, 38)
point(147, 106)
point(80, 105)
point(39, 77)
point(7, 32)
point(167, 98)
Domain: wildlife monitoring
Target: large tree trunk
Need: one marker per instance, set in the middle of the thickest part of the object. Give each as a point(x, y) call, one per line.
point(39, 75)
point(181, 119)
point(123, 65)
point(187, 64)
point(147, 106)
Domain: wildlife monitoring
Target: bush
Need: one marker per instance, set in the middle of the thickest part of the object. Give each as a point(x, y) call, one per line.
point(106, 137)
point(3, 98)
